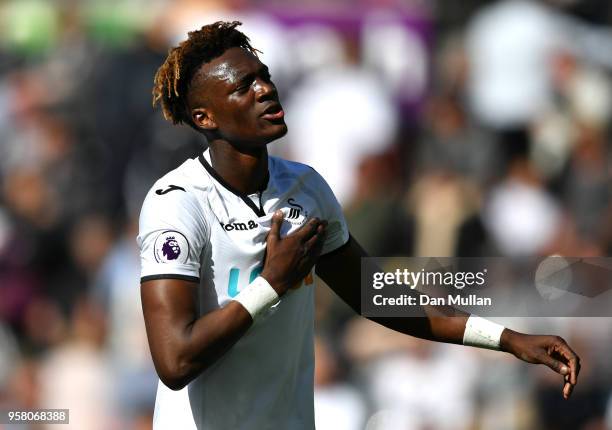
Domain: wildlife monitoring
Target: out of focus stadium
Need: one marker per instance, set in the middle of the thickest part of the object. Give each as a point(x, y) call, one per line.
point(446, 128)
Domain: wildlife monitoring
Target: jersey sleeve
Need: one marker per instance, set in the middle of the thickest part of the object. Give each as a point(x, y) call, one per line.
point(172, 234)
point(337, 229)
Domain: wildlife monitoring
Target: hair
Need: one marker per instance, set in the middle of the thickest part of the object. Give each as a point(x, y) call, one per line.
point(173, 78)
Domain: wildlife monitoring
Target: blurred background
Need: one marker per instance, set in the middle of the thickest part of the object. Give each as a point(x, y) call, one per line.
point(446, 128)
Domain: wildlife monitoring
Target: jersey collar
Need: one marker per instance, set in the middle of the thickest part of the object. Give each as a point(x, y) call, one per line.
point(259, 211)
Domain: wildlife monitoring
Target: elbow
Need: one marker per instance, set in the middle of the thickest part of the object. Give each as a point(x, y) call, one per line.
point(174, 376)
point(175, 384)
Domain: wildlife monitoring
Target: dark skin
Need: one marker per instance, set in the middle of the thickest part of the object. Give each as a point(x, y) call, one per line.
point(234, 102)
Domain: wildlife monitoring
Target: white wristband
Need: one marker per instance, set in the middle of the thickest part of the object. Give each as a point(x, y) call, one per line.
point(482, 333)
point(257, 297)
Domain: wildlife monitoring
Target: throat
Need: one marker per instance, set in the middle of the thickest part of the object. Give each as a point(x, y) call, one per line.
point(245, 172)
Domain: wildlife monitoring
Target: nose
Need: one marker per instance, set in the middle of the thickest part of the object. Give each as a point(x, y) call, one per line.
point(264, 89)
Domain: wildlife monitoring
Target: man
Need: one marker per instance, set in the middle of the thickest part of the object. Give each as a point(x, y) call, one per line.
point(229, 312)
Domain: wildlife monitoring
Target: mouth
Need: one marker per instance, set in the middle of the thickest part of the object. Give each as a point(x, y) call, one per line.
point(273, 112)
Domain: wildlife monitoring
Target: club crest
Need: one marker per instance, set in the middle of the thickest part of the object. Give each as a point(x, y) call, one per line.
point(295, 214)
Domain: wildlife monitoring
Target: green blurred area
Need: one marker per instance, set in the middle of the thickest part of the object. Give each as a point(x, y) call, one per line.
point(33, 27)
point(29, 26)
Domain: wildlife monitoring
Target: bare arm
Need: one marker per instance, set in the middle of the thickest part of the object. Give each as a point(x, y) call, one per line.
point(183, 344)
point(346, 284)
point(341, 270)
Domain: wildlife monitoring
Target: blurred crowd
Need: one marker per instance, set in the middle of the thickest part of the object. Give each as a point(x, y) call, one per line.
point(472, 128)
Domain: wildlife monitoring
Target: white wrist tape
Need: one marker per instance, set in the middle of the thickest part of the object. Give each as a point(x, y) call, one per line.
point(257, 297)
point(482, 333)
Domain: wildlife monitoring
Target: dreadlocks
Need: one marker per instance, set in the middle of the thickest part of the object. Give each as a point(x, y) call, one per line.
point(174, 76)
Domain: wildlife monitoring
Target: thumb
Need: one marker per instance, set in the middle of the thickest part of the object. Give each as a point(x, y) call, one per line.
point(277, 221)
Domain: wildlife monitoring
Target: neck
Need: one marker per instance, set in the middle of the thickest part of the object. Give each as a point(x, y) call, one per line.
point(244, 169)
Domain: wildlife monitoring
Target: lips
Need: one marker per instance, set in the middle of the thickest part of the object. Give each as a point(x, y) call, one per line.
point(273, 112)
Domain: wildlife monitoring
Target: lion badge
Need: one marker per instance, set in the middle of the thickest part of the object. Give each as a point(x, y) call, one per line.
point(171, 246)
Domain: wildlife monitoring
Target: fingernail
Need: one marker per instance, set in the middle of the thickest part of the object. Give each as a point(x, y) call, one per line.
point(564, 370)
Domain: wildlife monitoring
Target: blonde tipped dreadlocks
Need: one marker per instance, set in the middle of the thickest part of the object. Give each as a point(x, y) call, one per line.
point(174, 76)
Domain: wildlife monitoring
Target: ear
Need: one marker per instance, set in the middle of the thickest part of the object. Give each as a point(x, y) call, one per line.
point(203, 118)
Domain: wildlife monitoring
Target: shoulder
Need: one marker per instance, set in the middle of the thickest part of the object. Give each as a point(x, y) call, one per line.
point(304, 175)
point(295, 170)
point(181, 184)
point(175, 193)
point(298, 175)
point(189, 174)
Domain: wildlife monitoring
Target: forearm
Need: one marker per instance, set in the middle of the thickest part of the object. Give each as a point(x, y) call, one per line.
point(182, 349)
point(449, 329)
point(438, 323)
point(182, 343)
point(207, 339)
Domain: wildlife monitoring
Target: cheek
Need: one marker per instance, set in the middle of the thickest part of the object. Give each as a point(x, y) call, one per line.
point(238, 117)
point(240, 106)
point(243, 118)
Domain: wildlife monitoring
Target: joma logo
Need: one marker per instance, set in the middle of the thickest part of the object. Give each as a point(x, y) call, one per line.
point(239, 226)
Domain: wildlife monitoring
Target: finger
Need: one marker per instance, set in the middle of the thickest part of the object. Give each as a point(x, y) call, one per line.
point(308, 230)
point(554, 364)
point(277, 221)
point(567, 390)
point(571, 359)
point(318, 236)
point(314, 245)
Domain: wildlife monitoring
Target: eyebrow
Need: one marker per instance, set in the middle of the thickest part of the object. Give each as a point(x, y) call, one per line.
point(250, 75)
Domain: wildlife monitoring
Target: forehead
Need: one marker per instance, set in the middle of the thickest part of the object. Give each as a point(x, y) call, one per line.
point(231, 66)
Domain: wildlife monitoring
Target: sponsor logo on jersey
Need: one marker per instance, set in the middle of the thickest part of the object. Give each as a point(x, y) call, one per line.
point(234, 279)
point(239, 226)
point(171, 246)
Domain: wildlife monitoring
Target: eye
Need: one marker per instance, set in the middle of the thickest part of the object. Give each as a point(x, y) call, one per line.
point(244, 85)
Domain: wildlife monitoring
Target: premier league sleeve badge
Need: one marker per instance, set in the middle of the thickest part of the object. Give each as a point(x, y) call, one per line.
point(171, 247)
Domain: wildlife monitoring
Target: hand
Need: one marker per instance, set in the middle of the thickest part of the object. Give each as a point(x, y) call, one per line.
point(290, 259)
point(552, 351)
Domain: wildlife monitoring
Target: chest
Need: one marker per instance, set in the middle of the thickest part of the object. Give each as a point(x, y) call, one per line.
point(237, 245)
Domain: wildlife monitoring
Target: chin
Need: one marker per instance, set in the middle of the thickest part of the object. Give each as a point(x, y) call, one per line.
point(279, 132)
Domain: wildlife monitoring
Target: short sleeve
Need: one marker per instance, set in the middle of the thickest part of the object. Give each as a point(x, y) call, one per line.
point(337, 229)
point(172, 234)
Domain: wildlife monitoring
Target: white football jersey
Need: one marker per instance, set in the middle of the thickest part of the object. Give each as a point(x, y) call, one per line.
point(195, 226)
